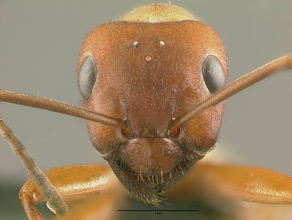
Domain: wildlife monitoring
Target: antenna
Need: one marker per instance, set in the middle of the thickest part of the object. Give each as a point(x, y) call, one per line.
point(234, 87)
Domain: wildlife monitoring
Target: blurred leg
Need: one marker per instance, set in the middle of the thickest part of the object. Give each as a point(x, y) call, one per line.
point(243, 182)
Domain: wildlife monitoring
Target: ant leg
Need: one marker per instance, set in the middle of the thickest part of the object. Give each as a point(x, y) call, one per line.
point(246, 183)
point(29, 199)
point(239, 192)
point(51, 194)
point(76, 183)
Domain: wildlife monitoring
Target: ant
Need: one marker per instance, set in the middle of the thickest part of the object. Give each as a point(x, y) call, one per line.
point(151, 128)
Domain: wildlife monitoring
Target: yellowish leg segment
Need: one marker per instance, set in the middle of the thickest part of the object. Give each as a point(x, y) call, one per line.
point(74, 183)
point(243, 182)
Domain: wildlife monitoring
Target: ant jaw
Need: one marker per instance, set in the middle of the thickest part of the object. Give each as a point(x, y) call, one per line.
point(149, 188)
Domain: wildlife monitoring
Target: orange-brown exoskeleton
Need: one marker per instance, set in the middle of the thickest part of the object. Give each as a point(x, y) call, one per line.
point(152, 85)
point(147, 79)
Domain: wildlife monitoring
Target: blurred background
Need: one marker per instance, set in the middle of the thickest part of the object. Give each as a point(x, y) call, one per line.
point(39, 47)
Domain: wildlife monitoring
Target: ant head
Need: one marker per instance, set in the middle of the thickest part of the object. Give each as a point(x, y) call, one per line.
point(148, 69)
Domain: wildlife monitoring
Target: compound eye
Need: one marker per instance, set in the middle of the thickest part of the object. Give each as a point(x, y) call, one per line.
point(87, 76)
point(213, 73)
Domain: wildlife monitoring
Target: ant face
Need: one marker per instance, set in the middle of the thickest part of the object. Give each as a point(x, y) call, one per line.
point(147, 75)
point(152, 84)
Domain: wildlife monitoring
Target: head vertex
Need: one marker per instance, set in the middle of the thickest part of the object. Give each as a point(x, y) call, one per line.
point(158, 12)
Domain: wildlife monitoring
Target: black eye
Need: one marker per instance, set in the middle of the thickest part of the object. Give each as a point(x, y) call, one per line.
point(213, 74)
point(87, 76)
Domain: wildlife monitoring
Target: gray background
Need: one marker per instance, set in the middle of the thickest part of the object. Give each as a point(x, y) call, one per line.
point(39, 47)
